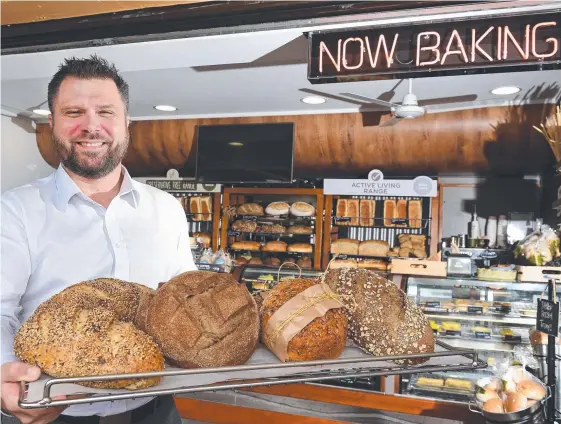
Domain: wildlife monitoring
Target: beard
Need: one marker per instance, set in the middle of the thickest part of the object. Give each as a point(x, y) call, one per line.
point(91, 165)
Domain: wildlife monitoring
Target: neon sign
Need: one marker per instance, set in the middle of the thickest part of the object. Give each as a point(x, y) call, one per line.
point(491, 45)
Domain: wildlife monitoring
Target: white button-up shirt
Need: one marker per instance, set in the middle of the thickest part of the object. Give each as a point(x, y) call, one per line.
point(53, 236)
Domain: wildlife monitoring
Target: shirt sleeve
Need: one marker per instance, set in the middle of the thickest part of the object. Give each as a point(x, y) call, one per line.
point(184, 254)
point(15, 273)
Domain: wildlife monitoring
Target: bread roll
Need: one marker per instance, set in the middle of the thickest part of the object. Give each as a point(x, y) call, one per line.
point(275, 246)
point(367, 212)
point(390, 212)
point(341, 210)
point(415, 213)
point(531, 389)
point(343, 263)
point(300, 229)
point(206, 208)
point(301, 248)
point(253, 246)
point(382, 318)
point(401, 212)
point(323, 338)
point(277, 208)
point(373, 264)
point(345, 246)
point(250, 209)
point(515, 402)
point(494, 406)
point(272, 261)
point(353, 211)
point(373, 248)
point(205, 238)
point(87, 329)
point(195, 208)
point(204, 319)
point(240, 260)
point(244, 226)
point(302, 209)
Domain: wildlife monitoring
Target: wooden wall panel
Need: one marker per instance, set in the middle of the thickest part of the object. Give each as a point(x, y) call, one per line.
point(499, 140)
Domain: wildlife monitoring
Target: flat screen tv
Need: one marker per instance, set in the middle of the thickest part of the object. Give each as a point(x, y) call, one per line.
point(245, 153)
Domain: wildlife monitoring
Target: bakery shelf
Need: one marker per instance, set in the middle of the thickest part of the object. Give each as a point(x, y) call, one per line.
point(398, 224)
point(263, 369)
point(256, 234)
point(482, 345)
point(274, 218)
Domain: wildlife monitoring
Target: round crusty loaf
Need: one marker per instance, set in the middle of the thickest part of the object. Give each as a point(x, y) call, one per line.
point(87, 329)
point(323, 338)
point(383, 320)
point(204, 319)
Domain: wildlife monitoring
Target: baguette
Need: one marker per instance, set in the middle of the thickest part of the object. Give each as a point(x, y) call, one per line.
point(390, 212)
point(353, 211)
point(345, 246)
point(415, 213)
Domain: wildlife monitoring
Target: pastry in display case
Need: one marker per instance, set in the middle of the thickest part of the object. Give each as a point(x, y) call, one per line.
point(492, 317)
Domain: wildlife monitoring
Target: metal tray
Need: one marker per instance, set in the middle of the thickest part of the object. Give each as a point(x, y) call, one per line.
point(263, 369)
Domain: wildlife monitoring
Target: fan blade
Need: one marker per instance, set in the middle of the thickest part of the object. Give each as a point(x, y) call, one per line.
point(368, 99)
point(390, 122)
point(444, 100)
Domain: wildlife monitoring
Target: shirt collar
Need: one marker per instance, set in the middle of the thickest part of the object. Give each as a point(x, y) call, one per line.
point(67, 188)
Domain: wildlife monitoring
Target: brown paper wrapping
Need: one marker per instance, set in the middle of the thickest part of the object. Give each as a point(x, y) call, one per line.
point(297, 313)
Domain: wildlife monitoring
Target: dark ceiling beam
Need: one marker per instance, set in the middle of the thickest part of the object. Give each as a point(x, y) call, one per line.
point(181, 21)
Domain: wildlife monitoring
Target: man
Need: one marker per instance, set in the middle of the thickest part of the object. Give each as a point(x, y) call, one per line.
point(88, 219)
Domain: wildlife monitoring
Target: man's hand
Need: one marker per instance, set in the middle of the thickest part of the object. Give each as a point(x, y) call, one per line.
point(12, 374)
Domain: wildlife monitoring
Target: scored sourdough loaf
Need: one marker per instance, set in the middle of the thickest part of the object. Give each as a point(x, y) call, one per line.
point(87, 330)
point(322, 338)
point(382, 319)
point(204, 319)
point(254, 209)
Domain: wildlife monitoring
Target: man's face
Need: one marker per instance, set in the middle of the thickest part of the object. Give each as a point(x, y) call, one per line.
point(89, 126)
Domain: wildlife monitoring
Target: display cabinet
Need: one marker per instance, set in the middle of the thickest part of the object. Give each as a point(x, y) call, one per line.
point(492, 317)
point(258, 235)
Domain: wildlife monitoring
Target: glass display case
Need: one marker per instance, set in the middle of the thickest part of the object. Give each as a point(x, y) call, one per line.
point(492, 317)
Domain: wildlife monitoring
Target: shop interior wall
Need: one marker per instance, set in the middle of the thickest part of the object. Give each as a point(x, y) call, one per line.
point(491, 196)
point(21, 161)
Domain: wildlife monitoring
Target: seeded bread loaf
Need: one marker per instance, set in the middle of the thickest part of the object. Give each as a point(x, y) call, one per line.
point(87, 329)
point(382, 319)
point(204, 319)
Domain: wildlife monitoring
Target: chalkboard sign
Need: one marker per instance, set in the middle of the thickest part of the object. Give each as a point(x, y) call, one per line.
point(547, 320)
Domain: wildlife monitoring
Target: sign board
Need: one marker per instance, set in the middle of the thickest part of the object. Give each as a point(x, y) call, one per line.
point(502, 44)
point(376, 185)
point(174, 184)
point(547, 320)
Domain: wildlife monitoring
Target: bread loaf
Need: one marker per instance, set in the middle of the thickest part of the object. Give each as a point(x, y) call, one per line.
point(272, 261)
point(255, 261)
point(300, 229)
point(415, 213)
point(277, 208)
point(401, 212)
point(367, 212)
point(322, 338)
point(87, 330)
point(304, 262)
point(205, 238)
point(253, 246)
point(343, 263)
point(390, 212)
point(244, 226)
point(253, 209)
point(272, 228)
point(345, 246)
point(353, 211)
point(374, 264)
point(302, 209)
point(206, 208)
point(341, 210)
point(301, 248)
point(195, 208)
point(382, 319)
point(204, 319)
point(373, 248)
point(275, 246)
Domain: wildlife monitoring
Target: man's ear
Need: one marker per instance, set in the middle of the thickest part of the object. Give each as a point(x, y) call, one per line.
point(51, 120)
point(128, 120)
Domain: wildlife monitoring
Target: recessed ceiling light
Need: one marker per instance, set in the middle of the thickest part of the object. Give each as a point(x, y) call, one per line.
point(165, 108)
point(42, 112)
point(313, 100)
point(235, 144)
point(505, 90)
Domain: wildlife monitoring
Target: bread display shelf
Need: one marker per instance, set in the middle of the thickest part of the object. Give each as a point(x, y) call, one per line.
point(263, 369)
point(277, 235)
point(397, 224)
point(273, 253)
point(276, 218)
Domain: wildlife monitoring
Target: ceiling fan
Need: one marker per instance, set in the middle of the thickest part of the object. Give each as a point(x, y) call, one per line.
point(410, 107)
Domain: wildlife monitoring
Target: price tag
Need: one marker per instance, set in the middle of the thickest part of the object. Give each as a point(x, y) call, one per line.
point(482, 335)
point(513, 339)
point(250, 217)
point(453, 333)
point(399, 221)
point(210, 267)
point(342, 219)
point(475, 309)
point(341, 256)
point(432, 304)
point(234, 233)
point(505, 309)
point(547, 320)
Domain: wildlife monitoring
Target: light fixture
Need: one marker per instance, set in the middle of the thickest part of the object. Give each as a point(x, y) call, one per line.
point(313, 100)
point(505, 90)
point(235, 144)
point(165, 108)
point(42, 112)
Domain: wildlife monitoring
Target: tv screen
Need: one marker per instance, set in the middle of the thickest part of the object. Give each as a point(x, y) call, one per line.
point(245, 153)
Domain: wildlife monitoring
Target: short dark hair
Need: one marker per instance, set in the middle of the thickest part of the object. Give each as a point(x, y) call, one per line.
point(93, 67)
